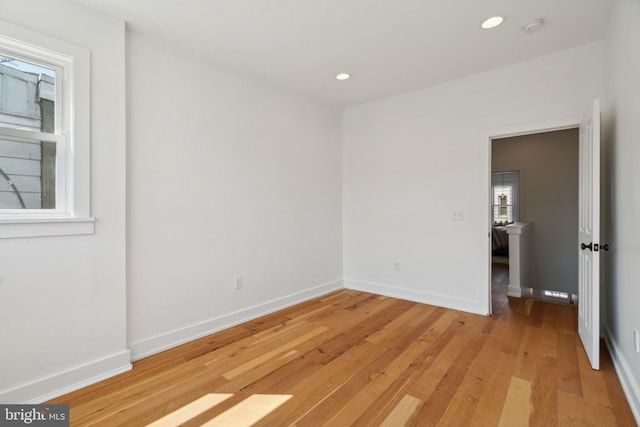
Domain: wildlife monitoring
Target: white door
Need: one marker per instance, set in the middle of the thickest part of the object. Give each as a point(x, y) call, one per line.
point(589, 235)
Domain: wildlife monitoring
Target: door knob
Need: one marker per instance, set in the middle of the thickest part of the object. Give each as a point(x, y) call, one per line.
point(605, 247)
point(589, 246)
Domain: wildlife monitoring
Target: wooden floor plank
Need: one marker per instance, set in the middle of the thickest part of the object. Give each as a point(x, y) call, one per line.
point(569, 372)
point(466, 404)
point(436, 404)
point(593, 383)
point(517, 405)
point(358, 395)
point(577, 411)
point(544, 393)
point(404, 412)
point(353, 358)
point(489, 407)
point(281, 350)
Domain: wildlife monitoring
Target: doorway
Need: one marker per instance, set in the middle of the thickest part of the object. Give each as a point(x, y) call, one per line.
point(519, 130)
point(545, 197)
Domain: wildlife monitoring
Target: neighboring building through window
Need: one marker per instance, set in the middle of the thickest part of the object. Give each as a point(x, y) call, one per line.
point(27, 164)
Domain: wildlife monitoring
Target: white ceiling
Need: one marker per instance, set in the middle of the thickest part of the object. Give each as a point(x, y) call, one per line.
point(388, 46)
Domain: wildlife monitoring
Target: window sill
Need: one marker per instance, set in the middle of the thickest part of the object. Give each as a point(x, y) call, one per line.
point(11, 228)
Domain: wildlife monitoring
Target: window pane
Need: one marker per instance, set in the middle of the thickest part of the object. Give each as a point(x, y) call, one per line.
point(27, 95)
point(502, 195)
point(502, 203)
point(27, 174)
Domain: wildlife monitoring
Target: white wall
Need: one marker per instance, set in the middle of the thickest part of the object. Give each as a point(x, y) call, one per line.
point(622, 113)
point(410, 160)
point(227, 178)
point(64, 322)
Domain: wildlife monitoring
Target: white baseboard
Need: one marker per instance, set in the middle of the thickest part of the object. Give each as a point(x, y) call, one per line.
point(153, 345)
point(628, 381)
point(461, 304)
point(65, 382)
point(514, 291)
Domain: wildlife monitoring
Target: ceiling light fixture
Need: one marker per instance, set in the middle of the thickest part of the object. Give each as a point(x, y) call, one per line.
point(492, 22)
point(533, 26)
point(343, 76)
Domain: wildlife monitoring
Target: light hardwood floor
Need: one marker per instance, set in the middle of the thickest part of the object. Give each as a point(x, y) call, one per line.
point(352, 358)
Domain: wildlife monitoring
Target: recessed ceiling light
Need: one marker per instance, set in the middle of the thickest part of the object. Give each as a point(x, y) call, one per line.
point(343, 76)
point(492, 22)
point(533, 26)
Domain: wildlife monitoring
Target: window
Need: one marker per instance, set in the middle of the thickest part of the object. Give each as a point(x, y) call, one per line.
point(44, 135)
point(504, 189)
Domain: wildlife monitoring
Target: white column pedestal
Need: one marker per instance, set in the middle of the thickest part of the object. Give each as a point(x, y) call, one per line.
point(519, 258)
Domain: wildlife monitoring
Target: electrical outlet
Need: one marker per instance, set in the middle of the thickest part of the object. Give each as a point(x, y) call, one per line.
point(457, 215)
point(396, 266)
point(238, 282)
point(636, 340)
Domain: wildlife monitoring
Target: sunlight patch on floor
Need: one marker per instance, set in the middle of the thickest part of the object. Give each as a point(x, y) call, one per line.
point(191, 410)
point(249, 411)
point(245, 413)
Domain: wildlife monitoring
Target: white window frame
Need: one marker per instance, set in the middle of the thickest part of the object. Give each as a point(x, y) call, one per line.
point(72, 136)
